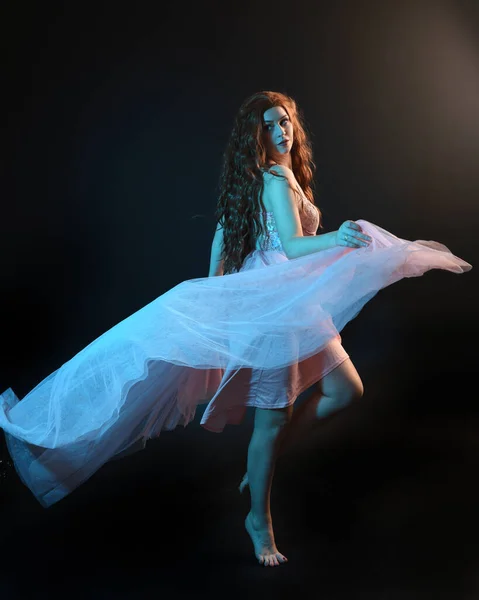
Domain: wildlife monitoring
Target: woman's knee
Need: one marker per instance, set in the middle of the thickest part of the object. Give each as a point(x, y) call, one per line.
point(348, 393)
point(343, 383)
point(342, 398)
point(354, 390)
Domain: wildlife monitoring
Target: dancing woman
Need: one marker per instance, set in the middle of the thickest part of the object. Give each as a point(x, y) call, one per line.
point(257, 336)
point(266, 188)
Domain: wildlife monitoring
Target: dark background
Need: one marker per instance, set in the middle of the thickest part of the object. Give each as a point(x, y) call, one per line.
point(115, 120)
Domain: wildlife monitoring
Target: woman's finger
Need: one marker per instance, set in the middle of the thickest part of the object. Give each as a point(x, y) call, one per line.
point(357, 242)
point(361, 236)
point(351, 240)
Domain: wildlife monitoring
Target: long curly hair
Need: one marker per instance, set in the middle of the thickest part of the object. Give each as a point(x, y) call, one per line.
point(241, 180)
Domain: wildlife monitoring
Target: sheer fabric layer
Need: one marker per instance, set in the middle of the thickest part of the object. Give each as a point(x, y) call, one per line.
point(149, 372)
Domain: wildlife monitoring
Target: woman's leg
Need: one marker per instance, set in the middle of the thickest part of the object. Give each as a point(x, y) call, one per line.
point(331, 394)
point(277, 430)
point(269, 426)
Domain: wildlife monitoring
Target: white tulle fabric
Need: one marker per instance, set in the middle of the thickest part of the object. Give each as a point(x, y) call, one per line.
point(150, 371)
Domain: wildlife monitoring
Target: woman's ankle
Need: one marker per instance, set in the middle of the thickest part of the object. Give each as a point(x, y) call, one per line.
point(261, 521)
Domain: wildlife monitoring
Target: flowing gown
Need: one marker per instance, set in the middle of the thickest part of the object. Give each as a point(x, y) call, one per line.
point(258, 337)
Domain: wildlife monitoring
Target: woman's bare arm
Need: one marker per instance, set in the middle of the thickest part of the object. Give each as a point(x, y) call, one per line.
point(286, 215)
point(216, 262)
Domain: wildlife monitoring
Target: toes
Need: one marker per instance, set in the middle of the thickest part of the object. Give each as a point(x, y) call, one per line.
point(243, 484)
point(272, 560)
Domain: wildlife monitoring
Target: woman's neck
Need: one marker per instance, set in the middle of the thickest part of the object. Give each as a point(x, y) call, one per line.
point(284, 161)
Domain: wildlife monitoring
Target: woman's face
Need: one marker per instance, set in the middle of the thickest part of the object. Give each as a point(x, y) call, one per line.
point(277, 132)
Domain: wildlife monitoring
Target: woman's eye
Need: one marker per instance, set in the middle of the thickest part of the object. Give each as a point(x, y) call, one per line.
point(283, 123)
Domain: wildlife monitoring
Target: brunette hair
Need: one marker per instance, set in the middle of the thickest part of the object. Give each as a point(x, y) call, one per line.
point(241, 180)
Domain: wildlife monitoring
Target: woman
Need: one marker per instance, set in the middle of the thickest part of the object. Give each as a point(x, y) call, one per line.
point(257, 336)
point(268, 163)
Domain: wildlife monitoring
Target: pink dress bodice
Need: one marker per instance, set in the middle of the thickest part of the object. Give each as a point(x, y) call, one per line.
point(309, 222)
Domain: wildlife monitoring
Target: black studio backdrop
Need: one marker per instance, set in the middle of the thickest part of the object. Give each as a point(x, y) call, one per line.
point(116, 119)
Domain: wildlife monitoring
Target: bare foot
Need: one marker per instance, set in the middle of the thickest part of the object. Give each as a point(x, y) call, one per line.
point(244, 483)
point(263, 541)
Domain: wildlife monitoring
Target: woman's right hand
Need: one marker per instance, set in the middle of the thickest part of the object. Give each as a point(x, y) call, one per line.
point(350, 235)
